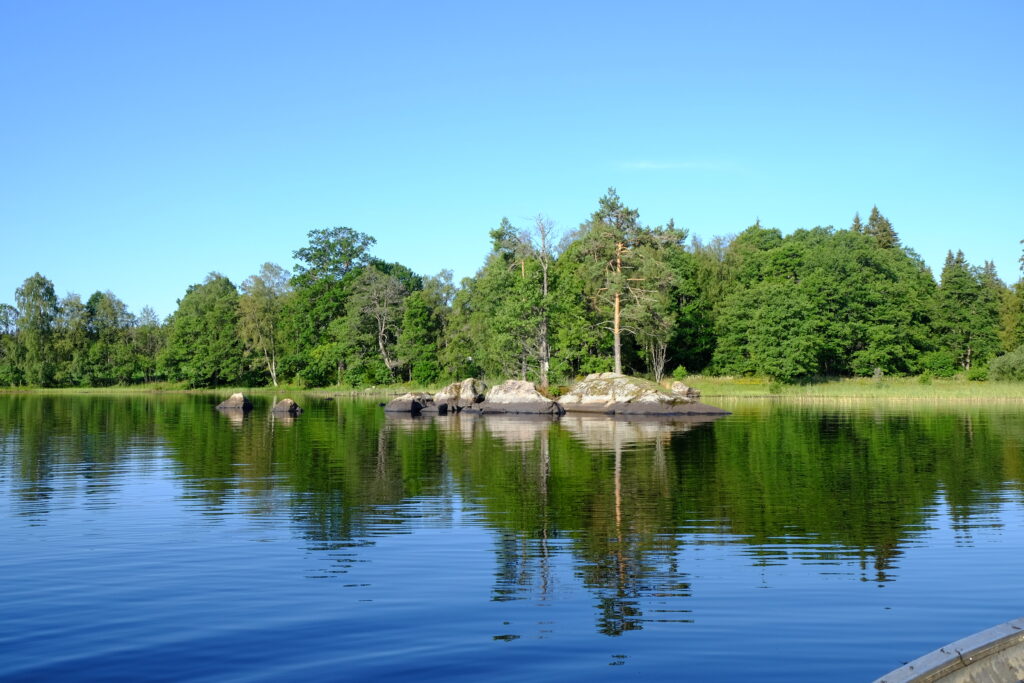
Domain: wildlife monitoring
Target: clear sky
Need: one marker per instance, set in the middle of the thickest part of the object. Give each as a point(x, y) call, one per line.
point(144, 144)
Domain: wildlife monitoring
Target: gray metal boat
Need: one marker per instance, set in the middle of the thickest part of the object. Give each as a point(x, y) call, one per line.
point(995, 655)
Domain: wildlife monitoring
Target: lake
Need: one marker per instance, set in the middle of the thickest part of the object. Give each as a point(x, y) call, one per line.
point(150, 537)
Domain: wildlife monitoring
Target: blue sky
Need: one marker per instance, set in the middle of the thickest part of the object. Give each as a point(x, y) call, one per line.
point(145, 144)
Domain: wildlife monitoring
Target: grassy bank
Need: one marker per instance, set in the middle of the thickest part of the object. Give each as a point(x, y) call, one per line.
point(910, 388)
point(898, 388)
point(175, 388)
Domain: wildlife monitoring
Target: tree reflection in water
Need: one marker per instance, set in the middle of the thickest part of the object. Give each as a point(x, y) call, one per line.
point(625, 501)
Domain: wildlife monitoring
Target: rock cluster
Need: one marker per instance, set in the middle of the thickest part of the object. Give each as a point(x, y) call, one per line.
point(613, 394)
point(520, 397)
point(605, 393)
point(238, 404)
point(461, 395)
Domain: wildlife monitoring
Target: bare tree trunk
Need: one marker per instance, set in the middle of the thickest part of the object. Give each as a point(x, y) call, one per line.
point(659, 352)
point(384, 350)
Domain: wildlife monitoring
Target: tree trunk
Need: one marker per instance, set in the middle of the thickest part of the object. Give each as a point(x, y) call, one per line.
point(617, 337)
point(545, 352)
point(659, 352)
point(543, 228)
point(616, 329)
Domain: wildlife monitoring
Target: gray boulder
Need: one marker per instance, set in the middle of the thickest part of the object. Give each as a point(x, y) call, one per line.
point(412, 403)
point(680, 389)
point(236, 402)
point(459, 395)
point(517, 396)
point(286, 406)
point(614, 394)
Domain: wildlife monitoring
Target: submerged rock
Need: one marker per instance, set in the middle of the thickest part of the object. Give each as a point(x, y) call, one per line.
point(459, 395)
point(286, 406)
point(517, 396)
point(235, 402)
point(614, 394)
point(413, 403)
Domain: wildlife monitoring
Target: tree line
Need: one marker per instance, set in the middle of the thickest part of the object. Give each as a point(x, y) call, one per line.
point(613, 294)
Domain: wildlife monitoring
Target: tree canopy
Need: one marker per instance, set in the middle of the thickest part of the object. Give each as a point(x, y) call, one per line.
point(614, 293)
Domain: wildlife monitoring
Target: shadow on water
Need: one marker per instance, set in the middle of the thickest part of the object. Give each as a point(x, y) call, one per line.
point(624, 499)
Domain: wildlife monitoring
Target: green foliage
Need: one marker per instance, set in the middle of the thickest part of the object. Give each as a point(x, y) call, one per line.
point(816, 303)
point(1008, 367)
point(36, 303)
point(10, 365)
point(111, 356)
point(203, 346)
point(968, 311)
point(680, 372)
point(881, 229)
point(324, 274)
point(367, 371)
point(821, 302)
point(421, 331)
point(978, 373)
point(618, 265)
point(148, 339)
point(939, 363)
point(261, 311)
point(331, 255)
point(373, 315)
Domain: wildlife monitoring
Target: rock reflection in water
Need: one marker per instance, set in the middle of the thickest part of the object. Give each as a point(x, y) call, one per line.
point(281, 419)
point(610, 433)
point(235, 417)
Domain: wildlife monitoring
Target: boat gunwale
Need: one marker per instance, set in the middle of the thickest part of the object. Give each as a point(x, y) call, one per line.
point(958, 655)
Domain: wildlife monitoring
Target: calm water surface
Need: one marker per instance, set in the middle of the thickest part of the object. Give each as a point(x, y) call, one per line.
point(152, 538)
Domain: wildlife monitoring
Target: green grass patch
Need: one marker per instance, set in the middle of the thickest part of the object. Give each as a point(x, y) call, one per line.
point(859, 387)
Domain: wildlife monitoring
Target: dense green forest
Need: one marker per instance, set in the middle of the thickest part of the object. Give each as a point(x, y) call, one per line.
point(612, 294)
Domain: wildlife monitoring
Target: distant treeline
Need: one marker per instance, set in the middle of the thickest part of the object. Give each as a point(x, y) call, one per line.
point(612, 294)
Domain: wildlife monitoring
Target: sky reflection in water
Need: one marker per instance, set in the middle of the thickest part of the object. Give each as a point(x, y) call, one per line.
point(153, 537)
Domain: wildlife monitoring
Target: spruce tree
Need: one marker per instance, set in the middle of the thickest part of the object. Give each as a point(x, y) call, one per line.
point(857, 226)
point(881, 229)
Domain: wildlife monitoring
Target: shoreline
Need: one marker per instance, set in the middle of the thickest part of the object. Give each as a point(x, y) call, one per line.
point(711, 388)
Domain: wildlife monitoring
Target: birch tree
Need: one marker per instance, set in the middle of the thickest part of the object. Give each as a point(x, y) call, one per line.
point(261, 309)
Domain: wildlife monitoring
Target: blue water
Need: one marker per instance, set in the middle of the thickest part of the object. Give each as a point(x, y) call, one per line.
point(155, 539)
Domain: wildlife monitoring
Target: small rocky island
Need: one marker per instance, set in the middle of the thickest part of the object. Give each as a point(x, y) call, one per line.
point(603, 393)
